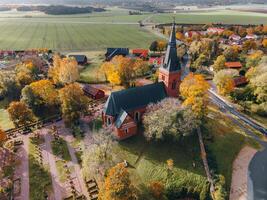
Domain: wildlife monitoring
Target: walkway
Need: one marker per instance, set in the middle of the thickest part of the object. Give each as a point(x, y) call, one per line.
point(58, 189)
point(22, 171)
point(67, 136)
point(239, 175)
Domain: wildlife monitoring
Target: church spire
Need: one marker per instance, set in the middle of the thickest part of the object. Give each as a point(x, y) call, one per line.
point(171, 62)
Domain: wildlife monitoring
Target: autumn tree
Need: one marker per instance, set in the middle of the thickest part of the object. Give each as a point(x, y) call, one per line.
point(73, 103)
point(219, 63)
point(161, 45)
point(64, 71)
point(264, 43)
point(157, 189)
point(121, 70)
point(231, 53)
point(179, 36)
point(248, 45)
point(224, 81)
point(194, 89)
point(26, 73)
point(69, 72)
point(254, 59)
point(176, 123)
point(3, 136)
point(9, 87)
point(40, 93)
point(118, 185)
point(100, 155)
point(19, 113)
point(199, 62)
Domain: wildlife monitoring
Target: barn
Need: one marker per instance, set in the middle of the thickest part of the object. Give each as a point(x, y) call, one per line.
point(111, 52)
point(81, 59)
point(93, 92)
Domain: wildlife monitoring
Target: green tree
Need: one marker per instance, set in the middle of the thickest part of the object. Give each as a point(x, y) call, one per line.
point(219, 63)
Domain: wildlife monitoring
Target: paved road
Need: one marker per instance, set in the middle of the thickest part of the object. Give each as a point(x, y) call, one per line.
point(222, 103)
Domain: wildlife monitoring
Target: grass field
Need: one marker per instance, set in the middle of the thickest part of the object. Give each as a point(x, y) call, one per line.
point(220, 16)
point(227, 141)
point(96, 31)
point(148, 163)
point(5, 122)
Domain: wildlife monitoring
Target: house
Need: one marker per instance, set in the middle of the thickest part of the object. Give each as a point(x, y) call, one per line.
point(124, 109)
point(235, 37)
point(81, 59)
point(111, 52)
point(233, 65)
point(191, 34)
point(240, 80)
point(155, 61)
point(141, 53)
point(93, 92)
point(215, 30)
point(251, 37)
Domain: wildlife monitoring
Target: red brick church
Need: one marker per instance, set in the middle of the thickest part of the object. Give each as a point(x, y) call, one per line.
point(124, 109)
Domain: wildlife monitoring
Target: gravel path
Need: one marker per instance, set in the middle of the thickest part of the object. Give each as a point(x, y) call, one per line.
point(52, 163)
point(22, 171)
point(239, 175)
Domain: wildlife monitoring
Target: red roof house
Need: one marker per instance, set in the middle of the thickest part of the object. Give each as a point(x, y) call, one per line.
point(240, 80)
point(156, 61)
point(93, 92)
point(234, 65)
point(141, 53)
point(215, 30)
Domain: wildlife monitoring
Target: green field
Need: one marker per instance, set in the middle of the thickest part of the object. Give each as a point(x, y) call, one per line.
point(96, 31)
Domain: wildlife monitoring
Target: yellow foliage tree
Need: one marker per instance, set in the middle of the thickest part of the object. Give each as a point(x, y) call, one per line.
point(264, 43)
point(162, 45)
point(179, 36)
point(224, 82)
point(194, 90)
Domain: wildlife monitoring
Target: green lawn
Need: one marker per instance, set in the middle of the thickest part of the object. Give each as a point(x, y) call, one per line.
point(62, 171)
point(151, 165)
point(40, 179)
point(5, 122)
point(60, 149)
point(91, 72)
point(226, 142)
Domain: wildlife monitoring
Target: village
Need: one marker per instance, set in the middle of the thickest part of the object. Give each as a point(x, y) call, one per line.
point(181, 119)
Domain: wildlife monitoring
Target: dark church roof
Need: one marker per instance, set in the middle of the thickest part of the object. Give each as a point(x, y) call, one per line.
point(171, 62)
point(134, 98)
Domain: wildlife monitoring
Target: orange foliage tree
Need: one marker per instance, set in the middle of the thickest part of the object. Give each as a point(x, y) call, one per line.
point(194, 90)
point(157, 189)
point(117, 185)
point(224, 82)
point(19, 113)
point(3, 135)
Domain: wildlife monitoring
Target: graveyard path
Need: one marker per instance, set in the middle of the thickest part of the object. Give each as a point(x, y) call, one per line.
point(23, 170)
point(58, 189)
point(69, 139)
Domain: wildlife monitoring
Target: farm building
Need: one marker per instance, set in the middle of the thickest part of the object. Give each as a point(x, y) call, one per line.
point(233, 65)
point(240, 80)
point(81, 59)
point(124, 109)
point(93, 92)
point(141, 53)
point(111, 52)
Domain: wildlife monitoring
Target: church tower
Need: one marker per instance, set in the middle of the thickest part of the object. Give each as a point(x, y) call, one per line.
point(170, 70)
